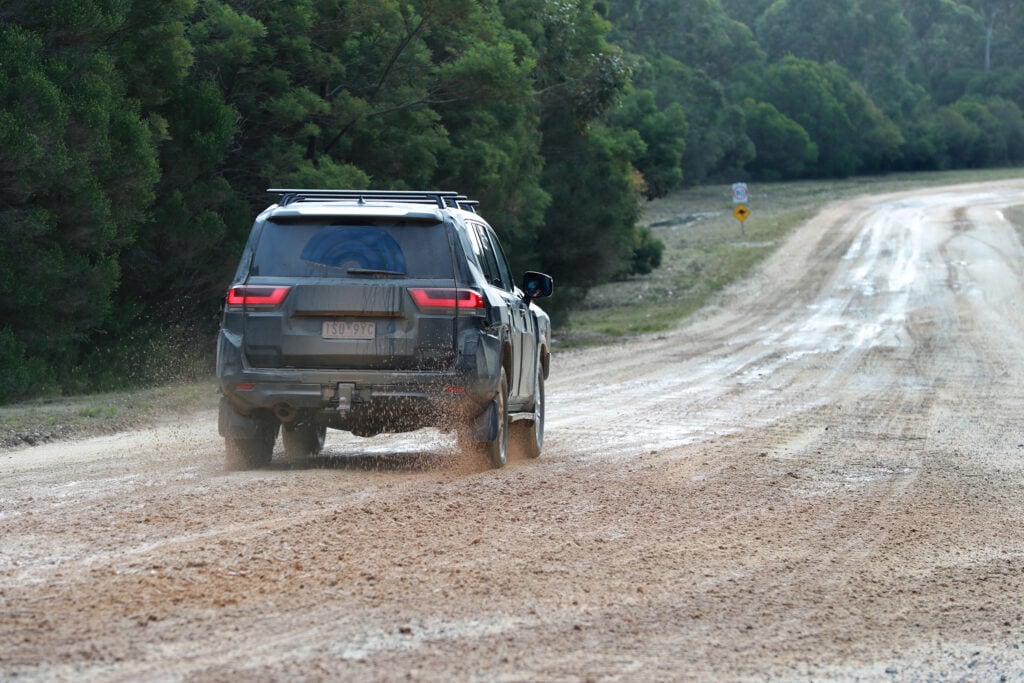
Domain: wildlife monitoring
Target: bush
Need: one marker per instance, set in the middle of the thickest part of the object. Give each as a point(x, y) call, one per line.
point(148, 355)
point(20, 376)
point(14, 380)
point(647, 252)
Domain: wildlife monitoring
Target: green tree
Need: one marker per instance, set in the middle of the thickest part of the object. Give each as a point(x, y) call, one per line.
point(990, 134)
point(920, 130)
point(869, 38)
point(1005, 82)
point(996, 15)
point(663, 134)
point(590, 233)
point(78, 162)
point(698, 34)
point(341, 93)
point(493, 122)
point(687, 53)
point(578, 74)
point(746, 11)
point(175, 270)
point(957, 139)
point(589, 242)
point(851, 134)
point(784, 150)
point(943, 39)
point(716, 142)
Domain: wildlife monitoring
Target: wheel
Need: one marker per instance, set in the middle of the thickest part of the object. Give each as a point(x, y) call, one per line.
point(529, 434)
point(303, 441)
point(496, 451)
point(257, 451)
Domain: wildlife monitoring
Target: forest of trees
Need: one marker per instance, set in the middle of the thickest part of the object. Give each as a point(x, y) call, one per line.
point(138, 137)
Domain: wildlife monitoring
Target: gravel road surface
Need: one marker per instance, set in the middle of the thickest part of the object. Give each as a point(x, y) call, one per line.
point(820, 478)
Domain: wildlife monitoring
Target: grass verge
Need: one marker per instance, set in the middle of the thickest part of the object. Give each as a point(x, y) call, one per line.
point(47, 419)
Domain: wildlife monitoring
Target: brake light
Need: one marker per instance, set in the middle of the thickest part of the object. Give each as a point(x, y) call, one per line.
point(257, 295)
point(433, 298)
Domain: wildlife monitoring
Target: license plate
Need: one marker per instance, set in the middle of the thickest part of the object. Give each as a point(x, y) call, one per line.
point(339, 329)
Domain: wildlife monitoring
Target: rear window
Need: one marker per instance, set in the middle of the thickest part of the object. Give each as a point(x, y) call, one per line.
point(346, 249)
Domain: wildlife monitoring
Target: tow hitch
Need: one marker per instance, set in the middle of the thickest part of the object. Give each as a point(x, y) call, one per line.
point(338, 397)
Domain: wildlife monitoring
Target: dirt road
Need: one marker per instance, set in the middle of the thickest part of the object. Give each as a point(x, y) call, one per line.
point(821, 478)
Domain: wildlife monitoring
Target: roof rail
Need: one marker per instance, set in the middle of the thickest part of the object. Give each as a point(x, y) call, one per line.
point(442, 198)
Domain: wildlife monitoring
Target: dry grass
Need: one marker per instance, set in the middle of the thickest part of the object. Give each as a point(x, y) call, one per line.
point(47, 419)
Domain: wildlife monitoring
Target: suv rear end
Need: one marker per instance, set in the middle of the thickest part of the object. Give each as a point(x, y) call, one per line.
point(359, 311)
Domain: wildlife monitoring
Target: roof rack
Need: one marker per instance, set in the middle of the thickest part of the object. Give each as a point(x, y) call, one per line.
point(462, 202)
point(444, 199)
point(468, 205)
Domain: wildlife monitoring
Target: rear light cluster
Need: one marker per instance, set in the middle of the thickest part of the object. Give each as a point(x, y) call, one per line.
point(429, 299)
point(258, 296)
point(448, 299)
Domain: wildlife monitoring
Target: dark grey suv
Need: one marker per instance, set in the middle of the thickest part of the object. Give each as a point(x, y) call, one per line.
point(374, 311)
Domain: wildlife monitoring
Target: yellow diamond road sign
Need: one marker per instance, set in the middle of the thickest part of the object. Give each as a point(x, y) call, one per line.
point(740, 213)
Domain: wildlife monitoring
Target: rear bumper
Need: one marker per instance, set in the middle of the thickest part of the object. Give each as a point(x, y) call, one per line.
point(366, 401)
point(344, 390)
point(365, 407)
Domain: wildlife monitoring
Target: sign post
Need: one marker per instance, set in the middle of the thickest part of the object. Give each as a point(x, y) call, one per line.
point(740, 196)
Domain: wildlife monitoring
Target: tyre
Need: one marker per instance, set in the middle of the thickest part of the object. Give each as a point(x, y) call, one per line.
point(249, 452)
point(303, 441)
point(528, 435)
point(496, 451)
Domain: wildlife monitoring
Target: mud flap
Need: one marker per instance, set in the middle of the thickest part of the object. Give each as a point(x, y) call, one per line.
point(485, 426)
point(230, 423)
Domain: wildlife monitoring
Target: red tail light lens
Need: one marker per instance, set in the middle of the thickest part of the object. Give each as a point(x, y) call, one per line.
point(257, 295)
point(439, 299)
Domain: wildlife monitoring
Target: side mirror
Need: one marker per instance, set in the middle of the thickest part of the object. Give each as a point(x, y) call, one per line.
point(537, 285)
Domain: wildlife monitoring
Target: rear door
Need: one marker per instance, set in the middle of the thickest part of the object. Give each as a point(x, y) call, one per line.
point(348, 304)
point(521, 326)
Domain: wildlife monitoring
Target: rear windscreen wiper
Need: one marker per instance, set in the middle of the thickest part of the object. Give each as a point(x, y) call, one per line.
point(373, 271)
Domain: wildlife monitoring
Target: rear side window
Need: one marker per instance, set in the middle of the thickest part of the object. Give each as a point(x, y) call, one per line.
point(484, 254)
point(492, 259)
point(343, 249)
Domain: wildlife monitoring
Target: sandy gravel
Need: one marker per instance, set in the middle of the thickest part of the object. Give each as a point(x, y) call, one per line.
point(820, 479)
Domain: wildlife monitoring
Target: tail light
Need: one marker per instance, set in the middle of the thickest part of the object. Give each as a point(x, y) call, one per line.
point(448, 299)
point(261, 296)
